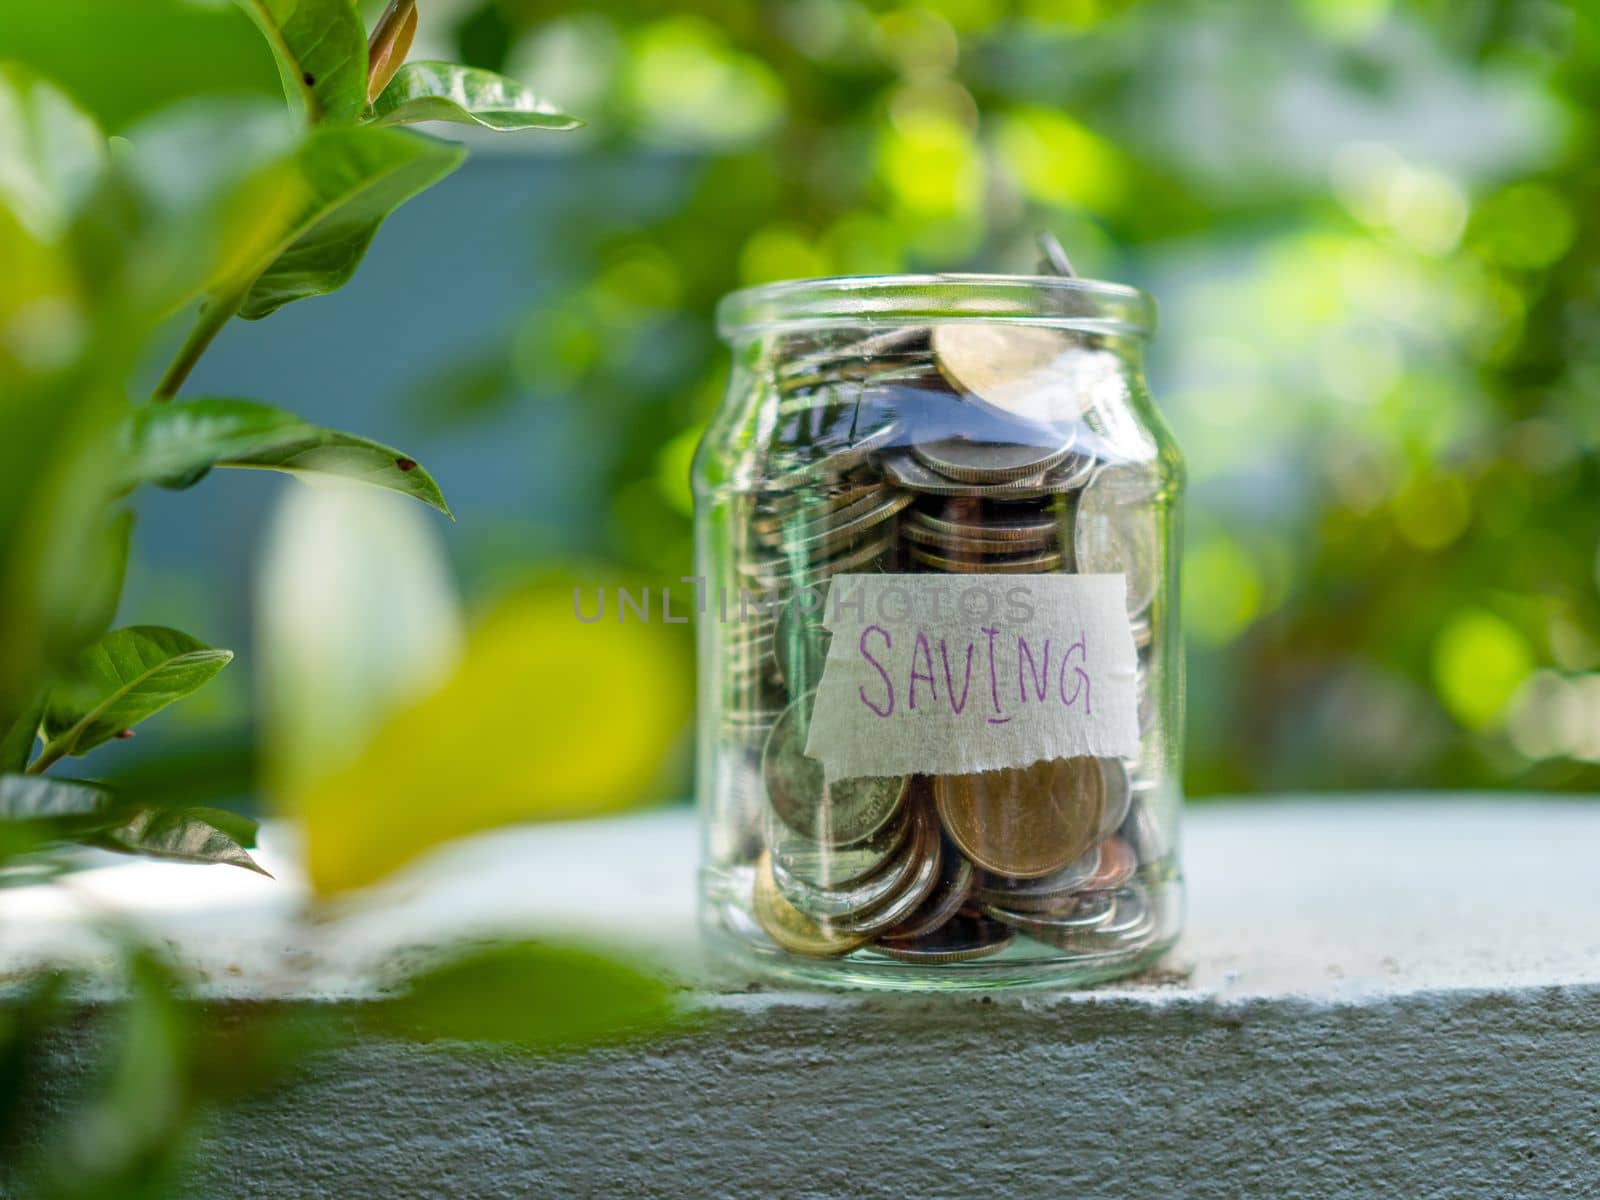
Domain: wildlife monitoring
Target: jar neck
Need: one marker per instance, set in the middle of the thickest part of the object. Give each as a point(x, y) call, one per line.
point(800, 306)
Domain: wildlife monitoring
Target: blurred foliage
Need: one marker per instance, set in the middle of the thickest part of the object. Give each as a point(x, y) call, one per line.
point(205, 207)
point(1371, 229)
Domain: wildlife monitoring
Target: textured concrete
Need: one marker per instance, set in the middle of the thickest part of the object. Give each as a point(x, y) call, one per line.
point(1384, 996)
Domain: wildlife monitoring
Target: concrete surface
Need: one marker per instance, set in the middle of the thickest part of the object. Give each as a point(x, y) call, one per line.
point(1394, 996)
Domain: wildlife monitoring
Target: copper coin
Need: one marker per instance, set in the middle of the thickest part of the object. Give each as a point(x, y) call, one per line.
point(1024, 821)
point(956, 877)
point(1118, 863)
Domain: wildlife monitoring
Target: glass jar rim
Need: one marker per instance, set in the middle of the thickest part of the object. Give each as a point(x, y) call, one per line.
point(1063, 301)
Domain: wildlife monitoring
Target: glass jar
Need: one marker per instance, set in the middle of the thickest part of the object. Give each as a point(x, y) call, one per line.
point(940, 678)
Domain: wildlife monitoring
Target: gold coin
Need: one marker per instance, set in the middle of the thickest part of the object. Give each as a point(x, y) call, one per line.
point(1024, 821)
point(791, 928)
point(1014, 368)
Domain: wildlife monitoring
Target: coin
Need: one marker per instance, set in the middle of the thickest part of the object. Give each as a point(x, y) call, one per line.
point(1130, 919)
point(1025, 532)
point(967, 544)
point(849, 521)
point(1116, 531)
point(1141, 830)
point(1010, 367)
point(1117, 865)
point(903, 470)
point(1091, 910)
point(1024, 821)
point(987, 564)
point(836, 814)
point(836, 461)
point(926, 853)
point(1119, 794)
point(972, 461)
point(956, 877)
point(798, 569)
point(788, 926)
point(1041, 892)
point(823, 880)
point(966, 937)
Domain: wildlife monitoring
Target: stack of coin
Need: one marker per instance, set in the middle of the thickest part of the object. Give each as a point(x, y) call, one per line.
point(963, 447)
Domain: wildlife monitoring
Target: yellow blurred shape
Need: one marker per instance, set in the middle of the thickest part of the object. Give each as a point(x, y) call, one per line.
point(1058, 161)
point(932, 166)
point(1479, 662)
point(545, 718)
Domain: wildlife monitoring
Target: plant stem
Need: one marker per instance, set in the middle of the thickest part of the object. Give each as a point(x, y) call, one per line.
point(216, 313)
point(48, 757)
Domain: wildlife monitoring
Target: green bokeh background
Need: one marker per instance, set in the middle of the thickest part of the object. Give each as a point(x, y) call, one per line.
point(1368, 223)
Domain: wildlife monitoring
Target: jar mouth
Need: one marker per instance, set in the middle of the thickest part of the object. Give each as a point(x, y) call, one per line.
point(1069, 303)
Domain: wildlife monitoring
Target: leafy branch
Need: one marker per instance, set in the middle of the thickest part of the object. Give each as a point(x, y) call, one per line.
point(281, 220)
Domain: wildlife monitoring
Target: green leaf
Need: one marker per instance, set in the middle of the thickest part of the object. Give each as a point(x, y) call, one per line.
point(175, 444)
point(437, 91)
point(18, 735)
point(126, 676)
point(36, 798)
point(106, 565)
point(121, 61)
point(321, 48)
point(354, 178)
point(50, 152)
point(529, 995)
point(191, 835)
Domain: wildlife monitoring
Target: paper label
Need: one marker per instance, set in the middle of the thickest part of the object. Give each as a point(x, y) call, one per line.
point(947, 675)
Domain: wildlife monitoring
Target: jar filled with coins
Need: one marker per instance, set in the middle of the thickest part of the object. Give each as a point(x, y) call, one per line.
point(940, 678)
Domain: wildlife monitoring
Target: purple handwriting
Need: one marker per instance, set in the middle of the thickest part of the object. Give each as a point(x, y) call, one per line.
point(914, 684)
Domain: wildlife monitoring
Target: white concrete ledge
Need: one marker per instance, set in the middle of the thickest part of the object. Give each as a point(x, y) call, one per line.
point(1384, 995)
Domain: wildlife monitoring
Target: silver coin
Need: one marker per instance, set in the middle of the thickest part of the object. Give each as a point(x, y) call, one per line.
point(1053, 258)
point(1119, 795)
point(837, 814)
point(966, 937)
point(1087, 912)
point(835, 462)
point(1141, 830)
point(990, 564)
point(829, 881)
point(848, 522)
point(972, 543)
point(1131, 919)
point(973, 461)
point(799, 569)
point(1071, 473)
point(1025, 532)
point(1116, 531)
point(902, 469)
point(896, 909)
